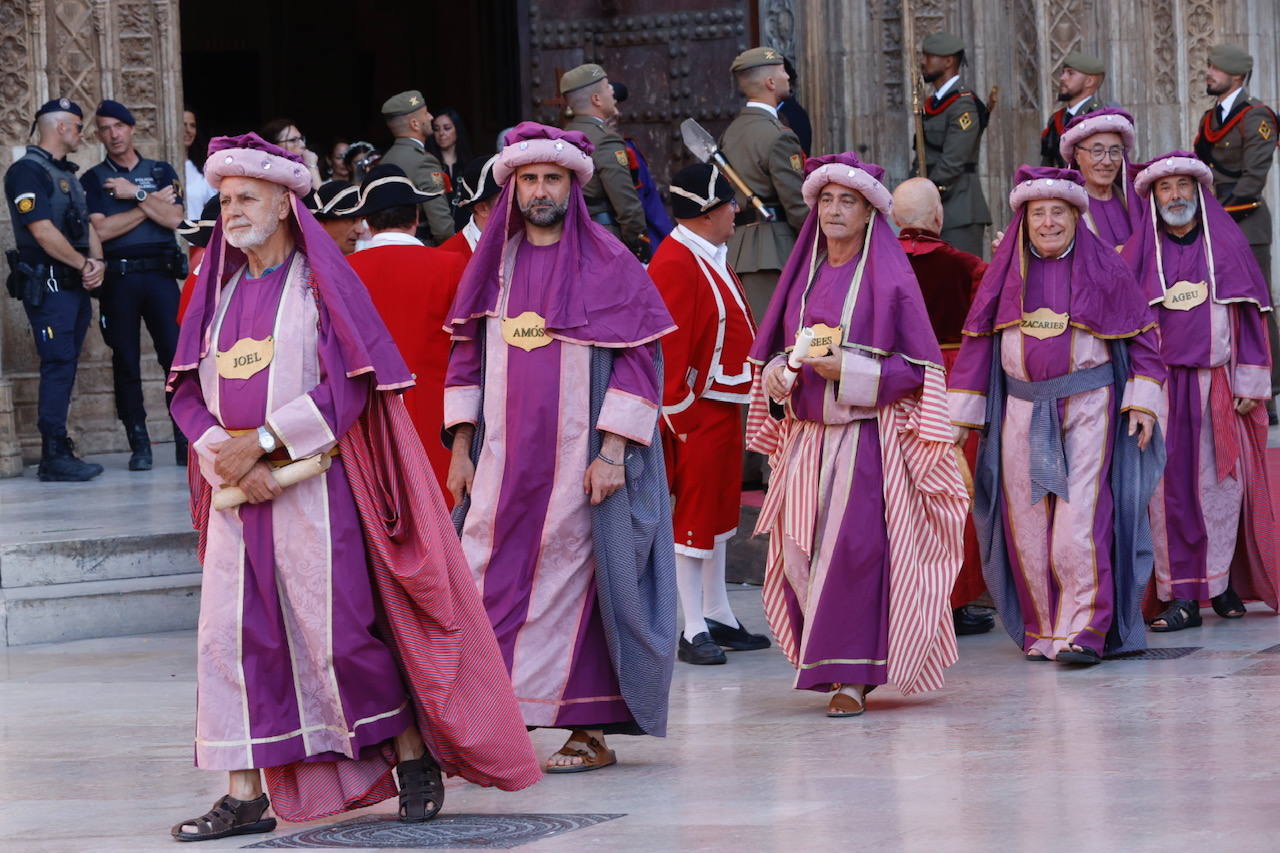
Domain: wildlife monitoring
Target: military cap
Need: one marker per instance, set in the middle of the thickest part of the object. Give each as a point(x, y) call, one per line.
point(116, 110)
point(1084, 63)
point(698, 189)
point(942, 44)
point(755, 58)
point(403, 104)
point(583, 75)
point(60, 105)
point(1231, 58)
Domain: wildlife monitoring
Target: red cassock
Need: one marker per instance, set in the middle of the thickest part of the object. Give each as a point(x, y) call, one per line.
point(412, 287)
point(948, 279)
point(707, 381)
point(458, 243)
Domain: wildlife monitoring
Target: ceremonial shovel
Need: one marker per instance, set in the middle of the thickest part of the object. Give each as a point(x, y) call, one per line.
point(703, 146)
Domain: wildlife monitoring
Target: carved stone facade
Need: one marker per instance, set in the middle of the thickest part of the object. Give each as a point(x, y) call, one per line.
point(84, 50)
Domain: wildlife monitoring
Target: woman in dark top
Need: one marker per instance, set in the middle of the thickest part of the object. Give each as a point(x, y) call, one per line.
point(451, 145)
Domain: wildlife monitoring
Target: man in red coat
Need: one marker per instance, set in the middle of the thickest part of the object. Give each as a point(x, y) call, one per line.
point(948, 279)
point(478, 192)
point(412, 287)
point(707, 381)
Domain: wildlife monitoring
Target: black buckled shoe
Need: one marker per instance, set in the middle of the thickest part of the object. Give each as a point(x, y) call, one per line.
point(140, 444)
point(973, 620)
point(701, 651)
point(736, 639)
point(59, 463)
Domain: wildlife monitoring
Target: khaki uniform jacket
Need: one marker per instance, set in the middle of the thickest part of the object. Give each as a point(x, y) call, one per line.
point(952, 138)
point(428, 176)
point(766, 154)
point(1240, 152)
point(1052, 133)
point(611, 189)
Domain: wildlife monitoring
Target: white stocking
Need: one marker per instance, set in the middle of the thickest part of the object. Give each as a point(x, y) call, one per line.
point(715, 596)
point(689, 573)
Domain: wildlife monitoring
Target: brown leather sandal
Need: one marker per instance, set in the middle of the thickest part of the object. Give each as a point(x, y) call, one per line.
point(593, 753)
point(844, 705)
point(228, 816)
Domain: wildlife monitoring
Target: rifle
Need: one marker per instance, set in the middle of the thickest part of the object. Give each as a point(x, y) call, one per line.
point(916, 85)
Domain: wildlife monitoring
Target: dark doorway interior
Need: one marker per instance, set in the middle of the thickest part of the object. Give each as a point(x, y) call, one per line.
point(329, 65)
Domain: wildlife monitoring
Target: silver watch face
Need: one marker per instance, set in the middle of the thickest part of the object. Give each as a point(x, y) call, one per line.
point(141, 195)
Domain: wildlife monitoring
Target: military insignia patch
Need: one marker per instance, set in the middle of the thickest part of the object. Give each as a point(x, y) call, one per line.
point(1264, 129)
point(621, 157)
point(965, 121)
point(797, 162)
point(25, 202)
point(64, 185)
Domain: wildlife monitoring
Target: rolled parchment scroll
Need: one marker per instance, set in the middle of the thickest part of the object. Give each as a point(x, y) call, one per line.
point(804, 340)
point(286, 476)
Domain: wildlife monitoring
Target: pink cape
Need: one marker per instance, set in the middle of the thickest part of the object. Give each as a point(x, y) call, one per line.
point(433, 622)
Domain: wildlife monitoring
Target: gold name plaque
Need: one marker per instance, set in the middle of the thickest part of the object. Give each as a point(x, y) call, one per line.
point(826, 340)
point(246, 358)
point(527, 331)
point(1044, 323)
point(1186, 295)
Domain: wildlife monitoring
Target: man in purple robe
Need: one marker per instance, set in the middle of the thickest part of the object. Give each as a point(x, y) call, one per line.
point(552, 398)
point(1098, 144)
point(1060, 345)
point(1211, 514)
point(866, 505)
point(282, 362)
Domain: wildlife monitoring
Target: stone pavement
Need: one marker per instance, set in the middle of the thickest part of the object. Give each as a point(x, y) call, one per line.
point(1134, 755)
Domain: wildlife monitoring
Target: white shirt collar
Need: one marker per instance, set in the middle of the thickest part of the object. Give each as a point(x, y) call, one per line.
point(1075, 108)
point(717, 255)
point(1228, 102)
point(392, 238)
point(942, 90)
point(760, 105)
point(471, 233)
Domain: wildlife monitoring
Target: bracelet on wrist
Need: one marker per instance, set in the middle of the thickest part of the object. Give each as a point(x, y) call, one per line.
point(606, 459)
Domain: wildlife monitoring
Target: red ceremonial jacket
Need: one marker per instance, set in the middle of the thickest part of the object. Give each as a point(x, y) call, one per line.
point(948, 279)
point(412, 287)
point(706, 356)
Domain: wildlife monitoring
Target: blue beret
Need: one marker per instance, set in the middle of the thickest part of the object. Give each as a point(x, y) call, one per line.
point(116, 110)
point(60, 105)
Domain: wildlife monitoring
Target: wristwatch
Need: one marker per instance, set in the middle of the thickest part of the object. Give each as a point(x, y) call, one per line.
point(140, 195)
point(267, 440)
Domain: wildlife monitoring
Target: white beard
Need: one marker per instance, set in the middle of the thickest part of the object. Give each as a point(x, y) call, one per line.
point(251, 238)
point(1180, 218)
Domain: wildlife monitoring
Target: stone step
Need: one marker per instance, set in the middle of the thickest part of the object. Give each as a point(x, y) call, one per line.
point(24, 564)
point(107, 608)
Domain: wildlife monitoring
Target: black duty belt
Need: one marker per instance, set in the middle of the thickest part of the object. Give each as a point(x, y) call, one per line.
point(57, 274)
point(604, 218)
point(128, 266)
point(749, 214)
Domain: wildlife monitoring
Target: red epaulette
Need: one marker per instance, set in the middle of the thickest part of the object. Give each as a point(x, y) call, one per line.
point(942, 107)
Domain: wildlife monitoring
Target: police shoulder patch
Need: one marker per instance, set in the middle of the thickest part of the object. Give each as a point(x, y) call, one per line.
point(64, 185)
point(621, 157)
point(965, 121)
point(25, 203)
point(1264, 129)
point(797, 162)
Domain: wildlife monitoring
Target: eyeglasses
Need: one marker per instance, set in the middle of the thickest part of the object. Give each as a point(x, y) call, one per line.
point(1097, 152)
point(294, 140)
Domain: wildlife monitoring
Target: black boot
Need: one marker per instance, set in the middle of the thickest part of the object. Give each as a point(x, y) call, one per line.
point(971, 619)
point(179, 447)
point(140, 444)
point(59, 464)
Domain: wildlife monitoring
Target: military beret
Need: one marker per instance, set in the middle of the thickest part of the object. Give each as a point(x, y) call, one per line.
point(942, 44)
point(1231, 58)
point(60, 105)
point(1084, 63)
point(698, 189)
point(755, 58)
point(116, 110)
point(403, 104)
point(583, 75)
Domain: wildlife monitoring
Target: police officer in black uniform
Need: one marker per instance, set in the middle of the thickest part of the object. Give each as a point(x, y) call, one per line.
point(58, 259)
point(134, 205)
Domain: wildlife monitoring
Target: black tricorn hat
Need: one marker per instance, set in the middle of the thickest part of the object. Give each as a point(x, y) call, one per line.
point(387, 186)
point(698, 189)
point(198, 231)
point(477, 182)
point(334, 200)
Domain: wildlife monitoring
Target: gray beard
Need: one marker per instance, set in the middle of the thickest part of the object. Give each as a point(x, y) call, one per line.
point(1182, 217)
point(545, 216)
point(256, 236)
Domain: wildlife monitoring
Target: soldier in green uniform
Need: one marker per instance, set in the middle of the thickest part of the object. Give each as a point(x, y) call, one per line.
point(766, 154)
point(1078, 85)
point(409, 121)
point(954, 120)
point(611, 195)
point(1237, 139)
